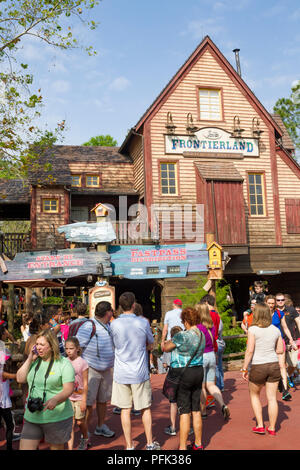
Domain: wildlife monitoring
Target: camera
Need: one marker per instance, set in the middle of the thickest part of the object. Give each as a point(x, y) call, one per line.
point(35, 404)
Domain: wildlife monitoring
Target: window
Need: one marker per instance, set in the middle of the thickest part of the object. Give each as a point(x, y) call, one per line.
point(50, 205)
point(210, 104)
point(256, 194)
point(76, 180)
point(92, 180)
point(168, 178)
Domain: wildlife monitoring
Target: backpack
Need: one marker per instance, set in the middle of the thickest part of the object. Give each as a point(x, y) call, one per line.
point(74, 327)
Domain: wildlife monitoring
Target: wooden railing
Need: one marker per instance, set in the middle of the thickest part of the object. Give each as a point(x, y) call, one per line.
point(133, 233)
point(13, 243)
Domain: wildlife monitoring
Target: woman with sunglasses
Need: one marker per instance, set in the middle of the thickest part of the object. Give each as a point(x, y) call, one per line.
point(279, 321)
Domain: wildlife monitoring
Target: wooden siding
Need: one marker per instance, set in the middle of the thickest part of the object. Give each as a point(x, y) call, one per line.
point(45, 220)
point(208, 72)
point(137, 155)
point(289, 188)
point(112, 176)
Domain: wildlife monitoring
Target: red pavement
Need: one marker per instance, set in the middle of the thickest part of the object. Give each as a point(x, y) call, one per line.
point(217, 435)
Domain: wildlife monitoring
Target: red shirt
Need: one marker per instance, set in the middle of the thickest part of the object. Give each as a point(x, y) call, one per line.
point(216, 321)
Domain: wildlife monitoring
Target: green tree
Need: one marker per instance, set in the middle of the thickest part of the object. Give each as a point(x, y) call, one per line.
point(289, 111)
point(101, 141)
point(51, 22)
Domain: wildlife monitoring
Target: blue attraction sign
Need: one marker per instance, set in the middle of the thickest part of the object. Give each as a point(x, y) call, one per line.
point(158, 261)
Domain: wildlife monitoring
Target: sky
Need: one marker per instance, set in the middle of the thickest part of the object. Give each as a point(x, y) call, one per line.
point(140, 46)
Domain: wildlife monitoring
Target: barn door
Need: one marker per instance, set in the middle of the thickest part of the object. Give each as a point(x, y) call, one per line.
point(229, 211)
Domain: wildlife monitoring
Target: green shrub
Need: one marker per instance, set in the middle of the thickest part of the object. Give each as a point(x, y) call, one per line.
point(192, 297)
point(53, 300)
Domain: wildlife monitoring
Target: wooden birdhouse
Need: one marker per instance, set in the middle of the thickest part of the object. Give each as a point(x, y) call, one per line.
point(101, 211)
point(215, 256)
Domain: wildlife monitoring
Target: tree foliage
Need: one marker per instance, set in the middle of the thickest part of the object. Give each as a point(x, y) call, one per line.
point(47, 21)
point(289, 111)
point(101, 141)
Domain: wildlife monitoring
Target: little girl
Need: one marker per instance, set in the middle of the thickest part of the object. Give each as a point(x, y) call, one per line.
point(78, 398)
point(5, 401)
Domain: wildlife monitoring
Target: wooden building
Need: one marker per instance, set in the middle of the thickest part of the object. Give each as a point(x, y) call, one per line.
point(206, 141)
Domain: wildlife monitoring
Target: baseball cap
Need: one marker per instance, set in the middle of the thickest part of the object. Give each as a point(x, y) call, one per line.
point(177, 302)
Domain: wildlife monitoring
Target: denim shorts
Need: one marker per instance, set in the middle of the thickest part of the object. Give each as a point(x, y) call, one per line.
point(209, 366)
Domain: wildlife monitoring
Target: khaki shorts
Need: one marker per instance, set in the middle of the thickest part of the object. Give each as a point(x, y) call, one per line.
point(140, 395)
point(78, 414)
point(292, 358)
point(99, 386)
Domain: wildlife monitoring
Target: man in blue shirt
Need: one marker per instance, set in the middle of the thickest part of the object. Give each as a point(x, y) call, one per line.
point(132, 337)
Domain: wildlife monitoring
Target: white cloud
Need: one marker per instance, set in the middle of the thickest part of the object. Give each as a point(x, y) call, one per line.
point(198, 29)
point(61, 86)
point(119, 84)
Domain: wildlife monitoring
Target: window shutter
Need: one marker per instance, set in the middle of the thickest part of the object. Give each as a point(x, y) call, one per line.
point(292, 212)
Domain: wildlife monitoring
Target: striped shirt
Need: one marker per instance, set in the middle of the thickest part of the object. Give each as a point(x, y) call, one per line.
point(99, 351)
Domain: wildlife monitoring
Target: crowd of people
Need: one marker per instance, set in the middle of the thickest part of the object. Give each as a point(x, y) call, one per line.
point(73, 363)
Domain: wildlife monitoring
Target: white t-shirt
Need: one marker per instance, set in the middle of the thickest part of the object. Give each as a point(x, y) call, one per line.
point(265, 344)
point(172, 318)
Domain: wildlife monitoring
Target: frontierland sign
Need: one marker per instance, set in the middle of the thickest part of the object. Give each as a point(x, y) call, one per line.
point(211, 140)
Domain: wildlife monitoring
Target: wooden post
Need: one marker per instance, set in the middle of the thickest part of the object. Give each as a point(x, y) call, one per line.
point(11, 308)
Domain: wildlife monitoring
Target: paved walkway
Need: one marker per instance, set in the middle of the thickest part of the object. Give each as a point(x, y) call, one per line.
point(217, 435)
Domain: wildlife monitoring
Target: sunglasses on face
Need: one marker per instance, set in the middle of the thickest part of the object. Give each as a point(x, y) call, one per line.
point(280, 300)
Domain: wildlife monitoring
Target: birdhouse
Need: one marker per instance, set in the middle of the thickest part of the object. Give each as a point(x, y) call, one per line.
point(101, 210)
point(215, 256)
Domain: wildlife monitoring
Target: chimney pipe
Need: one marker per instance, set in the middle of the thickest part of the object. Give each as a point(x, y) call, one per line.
point(237, 59)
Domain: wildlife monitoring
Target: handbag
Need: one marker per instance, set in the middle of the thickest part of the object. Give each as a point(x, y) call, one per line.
point(171, 383)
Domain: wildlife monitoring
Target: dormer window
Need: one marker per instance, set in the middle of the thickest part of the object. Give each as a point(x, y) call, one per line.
point(92, 181)
point(76, 181)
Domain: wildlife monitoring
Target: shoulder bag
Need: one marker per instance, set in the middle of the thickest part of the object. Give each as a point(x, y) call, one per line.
point(171, 383)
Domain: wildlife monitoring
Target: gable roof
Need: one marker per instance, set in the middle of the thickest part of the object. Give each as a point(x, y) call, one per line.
point(14, 191)
point(58, 158)
point(206, 44)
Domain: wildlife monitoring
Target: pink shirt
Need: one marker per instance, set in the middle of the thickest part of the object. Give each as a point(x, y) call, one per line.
point(80, 365)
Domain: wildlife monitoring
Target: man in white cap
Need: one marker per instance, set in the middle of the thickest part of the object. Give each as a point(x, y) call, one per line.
point(172, 318)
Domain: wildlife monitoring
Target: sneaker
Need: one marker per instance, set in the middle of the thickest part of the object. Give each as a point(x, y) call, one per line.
point(210, 402)
point(154, 446)
point(170, 431)
point(286, 396)
point(16, 437)
point(290, 382)
point(225, 412)
point(117, 411)
point(83, 444)
point(104, 431)
point(135, 412)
